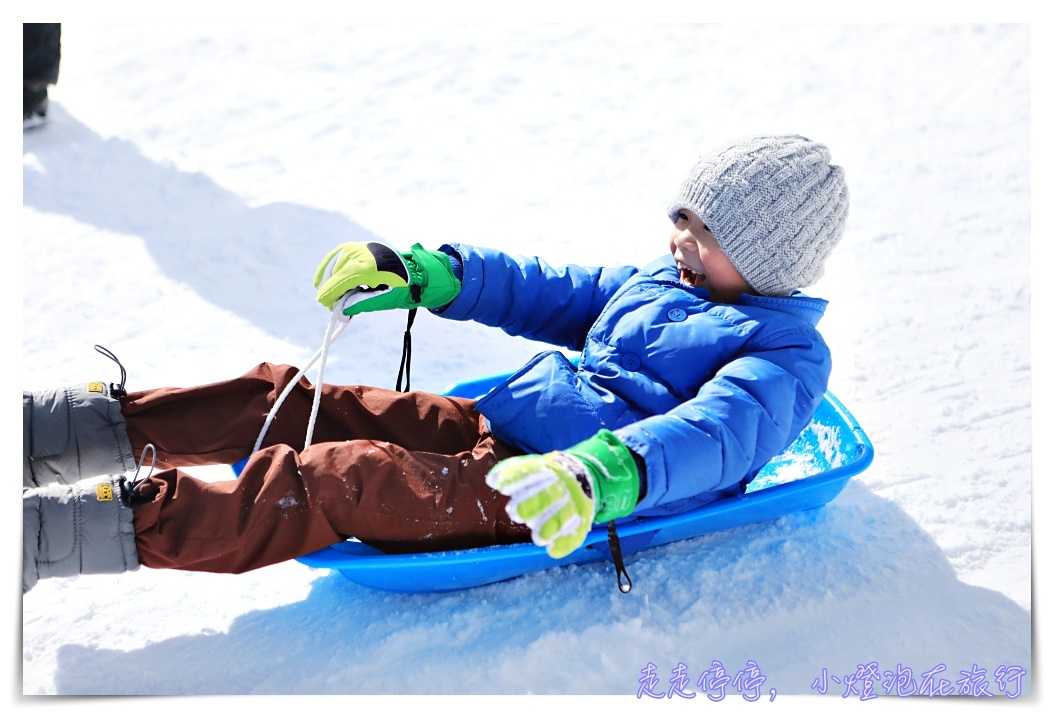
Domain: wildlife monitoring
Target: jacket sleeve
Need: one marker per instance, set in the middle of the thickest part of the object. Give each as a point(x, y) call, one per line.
point(526, 297)
point(752, 409)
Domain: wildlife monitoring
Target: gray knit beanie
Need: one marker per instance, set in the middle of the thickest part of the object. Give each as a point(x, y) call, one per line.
point(776, 205)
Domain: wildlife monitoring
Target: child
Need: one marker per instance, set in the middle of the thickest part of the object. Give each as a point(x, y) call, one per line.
point(694, 372)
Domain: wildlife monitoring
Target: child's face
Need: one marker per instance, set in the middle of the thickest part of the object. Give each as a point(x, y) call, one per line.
point(701, 261)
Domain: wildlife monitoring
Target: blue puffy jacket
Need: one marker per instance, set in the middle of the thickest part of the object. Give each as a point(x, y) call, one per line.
point(705, 393)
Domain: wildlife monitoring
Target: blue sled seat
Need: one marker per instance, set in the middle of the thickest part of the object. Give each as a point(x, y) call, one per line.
point(811, 472)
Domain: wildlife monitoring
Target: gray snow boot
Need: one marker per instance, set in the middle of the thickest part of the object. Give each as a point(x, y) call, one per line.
point(74, 530)
point(73, 433)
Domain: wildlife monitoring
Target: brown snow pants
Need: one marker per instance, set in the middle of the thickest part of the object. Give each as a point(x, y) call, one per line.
point(401, 471)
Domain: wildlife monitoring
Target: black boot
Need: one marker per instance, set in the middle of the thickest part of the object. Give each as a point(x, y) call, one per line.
point(41, 54)
point(34, 105)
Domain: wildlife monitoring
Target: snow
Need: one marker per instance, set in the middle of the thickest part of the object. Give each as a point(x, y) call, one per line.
point(193, 174)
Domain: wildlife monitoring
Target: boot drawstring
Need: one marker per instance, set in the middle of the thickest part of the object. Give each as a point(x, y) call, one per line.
point(130, 487)
point(136, 482)
point(115, 391)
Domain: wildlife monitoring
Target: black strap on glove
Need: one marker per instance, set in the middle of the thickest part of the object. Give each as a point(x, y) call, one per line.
point(404, 362)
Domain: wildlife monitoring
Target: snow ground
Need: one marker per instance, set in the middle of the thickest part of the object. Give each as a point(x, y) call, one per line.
point(192, 175)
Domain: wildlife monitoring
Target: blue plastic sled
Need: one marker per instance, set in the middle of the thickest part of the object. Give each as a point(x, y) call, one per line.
point(831, 450)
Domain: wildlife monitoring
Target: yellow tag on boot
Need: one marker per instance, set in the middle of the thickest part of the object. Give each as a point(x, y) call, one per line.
point(96, 386)
point(103, 492)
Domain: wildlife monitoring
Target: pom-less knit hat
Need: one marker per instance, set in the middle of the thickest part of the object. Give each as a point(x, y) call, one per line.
point(776, 205)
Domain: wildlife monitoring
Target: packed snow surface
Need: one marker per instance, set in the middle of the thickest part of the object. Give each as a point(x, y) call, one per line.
point(192, 175)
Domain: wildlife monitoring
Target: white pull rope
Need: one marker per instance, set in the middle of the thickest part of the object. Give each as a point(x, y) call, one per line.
point(330, 337)
point(333, 330)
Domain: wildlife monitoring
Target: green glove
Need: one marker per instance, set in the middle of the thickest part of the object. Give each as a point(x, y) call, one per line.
point(361, 277)
point(560, 494)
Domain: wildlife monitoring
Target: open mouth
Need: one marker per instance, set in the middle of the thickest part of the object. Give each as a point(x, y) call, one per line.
point(690, 277)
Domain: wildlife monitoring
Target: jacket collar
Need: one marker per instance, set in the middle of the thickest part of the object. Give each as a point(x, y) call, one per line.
point(806, 308)
point(800, 305)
